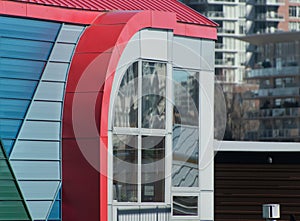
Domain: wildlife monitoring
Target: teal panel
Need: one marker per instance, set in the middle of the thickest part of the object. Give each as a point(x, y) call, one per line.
point(13, 210)
point(8, 190)
point(5, 172)
point(12, 206)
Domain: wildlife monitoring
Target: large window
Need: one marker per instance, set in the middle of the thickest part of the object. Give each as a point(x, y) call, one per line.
point(139, 134)
point(156, 129)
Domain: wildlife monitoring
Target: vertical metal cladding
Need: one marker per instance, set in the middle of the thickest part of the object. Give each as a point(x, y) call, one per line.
point(34, 61)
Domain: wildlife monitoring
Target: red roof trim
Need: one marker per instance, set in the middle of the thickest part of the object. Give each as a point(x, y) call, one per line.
point(48, 13)
point(183, 13)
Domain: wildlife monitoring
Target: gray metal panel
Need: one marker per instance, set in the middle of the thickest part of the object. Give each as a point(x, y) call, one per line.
point(69, 33)
point(40, 110)
point(55, 71)
point(50, 91)
point(35, 150)
point(186, 52)
point(41, 190)
point(62, 52)
point(154, 44)
point(131, 51)
point(208, 55)
point(36, 170)
point(38, 130)
point(39, 209)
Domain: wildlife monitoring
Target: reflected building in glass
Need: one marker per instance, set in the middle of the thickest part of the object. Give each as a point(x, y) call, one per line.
point(277, 72)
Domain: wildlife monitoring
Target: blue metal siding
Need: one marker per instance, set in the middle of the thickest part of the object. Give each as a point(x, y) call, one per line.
point(25, 46)
point(28, 29)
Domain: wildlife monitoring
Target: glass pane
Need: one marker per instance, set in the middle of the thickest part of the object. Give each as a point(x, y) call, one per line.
point(153, 169)
point(153, 95)
point(185, 205)
point(125, 168)
point(185, 167)
point(126, 104)
point(186, 97)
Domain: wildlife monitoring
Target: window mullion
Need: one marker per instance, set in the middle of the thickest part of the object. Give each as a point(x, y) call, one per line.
point(139, 127)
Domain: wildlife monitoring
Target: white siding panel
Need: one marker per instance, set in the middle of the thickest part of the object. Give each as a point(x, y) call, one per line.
point(154, 44)
point(39, 209)
point(41, 190)
point(62, 52)
point(50, 91)
point(69, 33)
point(36, 170)
point(38, 130)
point(35, 150)
point(186, 52)
point(55, 71)
point(45, 111)
point(206, 206)
point(207, 55)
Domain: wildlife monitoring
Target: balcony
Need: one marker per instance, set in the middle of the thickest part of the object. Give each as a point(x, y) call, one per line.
point(271, 16)
point(273, 134)
point(273, 72)
point(290, 112)
point(214, 14)
point(274, 92)
point(270, 2)
point(224, 31)
point(223, 1)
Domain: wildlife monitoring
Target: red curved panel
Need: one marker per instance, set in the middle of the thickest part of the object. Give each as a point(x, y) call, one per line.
point(85, 122)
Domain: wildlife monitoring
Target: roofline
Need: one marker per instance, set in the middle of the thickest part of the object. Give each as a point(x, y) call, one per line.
point(85, 17)
point(277, 37)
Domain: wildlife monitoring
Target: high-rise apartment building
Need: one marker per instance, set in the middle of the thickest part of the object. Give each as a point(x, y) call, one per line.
point(238, 18)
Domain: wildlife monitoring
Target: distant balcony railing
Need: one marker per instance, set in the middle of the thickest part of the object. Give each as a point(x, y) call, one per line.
point(273, 134)
point(274, 92)
point(225, 31)
point(275, 112)
point(266, 72)
point(214, 14)
point(270, 2)
point(269, 16)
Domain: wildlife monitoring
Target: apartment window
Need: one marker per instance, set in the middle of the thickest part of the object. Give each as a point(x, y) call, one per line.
point(293, 11)
point(139, 134)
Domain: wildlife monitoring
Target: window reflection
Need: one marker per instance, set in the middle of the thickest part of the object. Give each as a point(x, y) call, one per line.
point(153, 169)
point(185, 166)
point(153, 95)
point(126, 103)
point(186, 97)
point(185, 205)
point(125, 167)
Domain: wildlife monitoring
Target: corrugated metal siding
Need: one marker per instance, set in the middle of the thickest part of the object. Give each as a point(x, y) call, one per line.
point(36, 158)
point(183, 13)
point(241, 189)
point(12, 206)
point(25, 46)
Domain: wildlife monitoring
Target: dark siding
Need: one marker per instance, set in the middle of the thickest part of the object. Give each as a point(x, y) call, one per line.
point(242, 188)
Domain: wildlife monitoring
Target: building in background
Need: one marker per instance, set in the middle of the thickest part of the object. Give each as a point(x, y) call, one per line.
point(277, 72)
point(239, 18)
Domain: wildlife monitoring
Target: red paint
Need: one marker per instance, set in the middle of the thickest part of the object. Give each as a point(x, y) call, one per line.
point(48, 13)
point(183, 12)
point(89, 89)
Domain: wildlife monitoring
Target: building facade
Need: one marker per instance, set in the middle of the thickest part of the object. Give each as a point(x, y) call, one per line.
point(106, 111)
point(242, 18)
point(277, 74)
